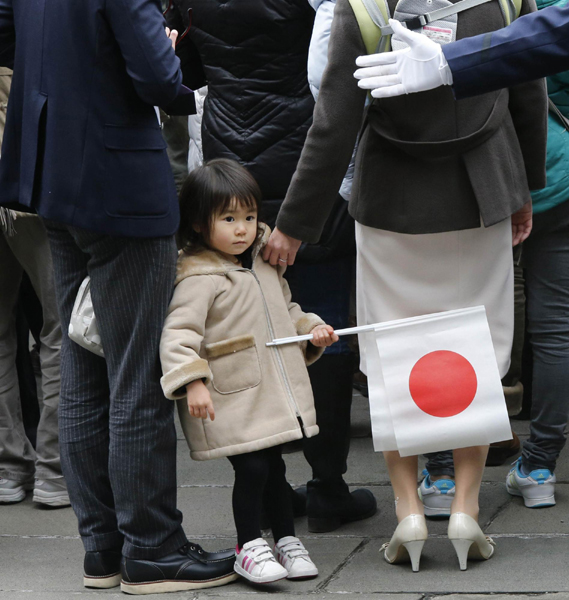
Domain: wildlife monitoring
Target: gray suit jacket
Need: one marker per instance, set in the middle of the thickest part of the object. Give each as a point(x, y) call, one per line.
point(426, 162)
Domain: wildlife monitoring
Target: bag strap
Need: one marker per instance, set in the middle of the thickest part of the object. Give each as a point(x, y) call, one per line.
point(511, 10)
point(553, 109)
point(371, 16)
point(422, 20)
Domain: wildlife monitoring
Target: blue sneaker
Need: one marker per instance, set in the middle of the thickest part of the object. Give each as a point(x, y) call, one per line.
point(437, 496)
point(537, 489)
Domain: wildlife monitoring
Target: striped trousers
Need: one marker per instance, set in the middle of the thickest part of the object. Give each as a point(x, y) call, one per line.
point(117, 435)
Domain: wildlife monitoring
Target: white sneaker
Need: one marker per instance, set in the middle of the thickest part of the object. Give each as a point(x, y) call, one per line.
point(537, 489)
point(437, 496)
point(13, 491)
point(294, 557)
point(257, 563)
point(52, 492)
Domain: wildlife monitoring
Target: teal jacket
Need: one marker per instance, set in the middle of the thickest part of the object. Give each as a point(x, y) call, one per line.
point(557, 189)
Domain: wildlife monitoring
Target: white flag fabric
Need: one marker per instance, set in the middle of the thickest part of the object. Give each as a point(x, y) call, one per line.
point(434, 383)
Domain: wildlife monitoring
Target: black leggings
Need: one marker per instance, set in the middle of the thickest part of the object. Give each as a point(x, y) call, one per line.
point(260, 481)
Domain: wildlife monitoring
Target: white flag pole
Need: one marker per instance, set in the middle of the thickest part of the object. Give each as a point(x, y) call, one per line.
point(376, 326)
point(302, 338)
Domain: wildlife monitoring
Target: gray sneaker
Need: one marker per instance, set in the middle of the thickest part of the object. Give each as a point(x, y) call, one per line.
point(13, 491)
point(52, 492)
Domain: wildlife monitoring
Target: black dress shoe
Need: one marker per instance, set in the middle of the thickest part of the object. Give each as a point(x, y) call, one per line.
point(330, 504)
point(188, 568)
point(102, 569)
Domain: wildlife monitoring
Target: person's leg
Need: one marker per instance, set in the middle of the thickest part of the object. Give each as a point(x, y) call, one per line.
point(251, 476)
point(277, 502)
point(83, 409)
point(440, 464)
point(403, 476)
point(31, 247)
point(131, 287)
point(16, 453)
point(324, 288)
point(469, 467)
point(546, 257)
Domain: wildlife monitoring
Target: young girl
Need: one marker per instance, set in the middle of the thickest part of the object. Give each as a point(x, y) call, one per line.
point(227, 304)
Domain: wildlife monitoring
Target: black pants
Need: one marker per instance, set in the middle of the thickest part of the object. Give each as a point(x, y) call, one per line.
point(260, 480)
point(117, 435)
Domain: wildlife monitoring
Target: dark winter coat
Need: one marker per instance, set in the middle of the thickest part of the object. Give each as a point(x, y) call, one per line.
point(259, 106)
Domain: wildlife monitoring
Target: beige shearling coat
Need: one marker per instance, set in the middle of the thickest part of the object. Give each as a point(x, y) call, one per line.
point(219, 320)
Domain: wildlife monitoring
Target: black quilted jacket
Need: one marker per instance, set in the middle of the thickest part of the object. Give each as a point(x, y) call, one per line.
point(259, 106)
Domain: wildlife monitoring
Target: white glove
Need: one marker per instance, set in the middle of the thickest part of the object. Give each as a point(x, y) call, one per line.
point(422, 66)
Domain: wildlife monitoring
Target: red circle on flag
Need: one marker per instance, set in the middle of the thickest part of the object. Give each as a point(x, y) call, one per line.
point(443, 383)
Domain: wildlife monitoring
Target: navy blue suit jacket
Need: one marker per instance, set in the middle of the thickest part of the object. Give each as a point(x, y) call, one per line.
point(82, 144)
point(533, 46)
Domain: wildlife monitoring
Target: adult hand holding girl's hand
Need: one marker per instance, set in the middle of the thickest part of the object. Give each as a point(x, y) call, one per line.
point(281, 249)
point(199, 400)
point(323, 335)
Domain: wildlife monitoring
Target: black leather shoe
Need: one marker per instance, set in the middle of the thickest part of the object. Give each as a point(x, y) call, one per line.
point(102, 569)
point(330, 504)
point(189, 568)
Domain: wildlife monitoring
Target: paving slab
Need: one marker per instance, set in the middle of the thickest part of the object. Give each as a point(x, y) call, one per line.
point(554, 596)
point(516, 518)
point(55, 565)
point(30, 518)
point(519, 566)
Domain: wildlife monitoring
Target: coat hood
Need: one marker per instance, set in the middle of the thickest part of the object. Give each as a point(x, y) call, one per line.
point(211, 262)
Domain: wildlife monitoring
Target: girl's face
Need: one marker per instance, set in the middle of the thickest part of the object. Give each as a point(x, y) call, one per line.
point(234, 230)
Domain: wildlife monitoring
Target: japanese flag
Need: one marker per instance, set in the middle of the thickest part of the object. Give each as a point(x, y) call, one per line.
point(434, 383)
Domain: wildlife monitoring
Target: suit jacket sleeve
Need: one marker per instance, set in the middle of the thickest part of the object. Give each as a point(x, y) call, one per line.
point(331, 139)
point(151, 63)
point(533, 46)
point(529, 110)
point(7, 34)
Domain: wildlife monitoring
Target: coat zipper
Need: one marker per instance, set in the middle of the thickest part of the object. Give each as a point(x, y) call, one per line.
point(288, 389)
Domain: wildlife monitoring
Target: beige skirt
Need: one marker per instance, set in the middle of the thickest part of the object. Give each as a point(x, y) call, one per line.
point(401, 275)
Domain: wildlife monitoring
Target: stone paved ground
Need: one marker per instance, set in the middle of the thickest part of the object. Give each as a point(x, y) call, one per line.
point(41, 555)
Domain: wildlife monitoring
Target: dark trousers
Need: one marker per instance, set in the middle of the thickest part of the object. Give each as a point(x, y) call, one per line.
point(260, 480)
point(117, 436)
point(546, 262)
point(324, 288)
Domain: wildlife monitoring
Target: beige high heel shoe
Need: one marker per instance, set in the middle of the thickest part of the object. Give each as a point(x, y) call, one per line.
point(468, 539)
point(407, 542)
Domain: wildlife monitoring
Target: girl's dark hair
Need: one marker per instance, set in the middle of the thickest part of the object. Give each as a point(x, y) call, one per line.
point(209, 190)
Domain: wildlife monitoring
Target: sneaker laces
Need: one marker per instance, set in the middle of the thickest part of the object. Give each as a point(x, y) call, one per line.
point(294, 549)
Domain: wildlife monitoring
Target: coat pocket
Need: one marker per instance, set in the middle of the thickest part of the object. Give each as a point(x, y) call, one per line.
point(234, 364)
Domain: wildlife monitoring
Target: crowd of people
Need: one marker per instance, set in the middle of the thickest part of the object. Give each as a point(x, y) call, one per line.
point(289, 201)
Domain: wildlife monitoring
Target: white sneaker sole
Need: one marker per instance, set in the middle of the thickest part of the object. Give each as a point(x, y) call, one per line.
point(51, 498)
point(433, 513)
point(264, 579)
point(12, 498)
point(307, 575)
point(159, 587)
point(103, 583)
point(542, 502)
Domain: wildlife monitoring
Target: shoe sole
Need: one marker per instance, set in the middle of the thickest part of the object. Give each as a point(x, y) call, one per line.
point(303, 577)
point(436, 513)
point(326, 524)
point(532, 502)
point(241, 571)
point(13, 498)
point(49, 500)
point(103, 583)
point(159, 587)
